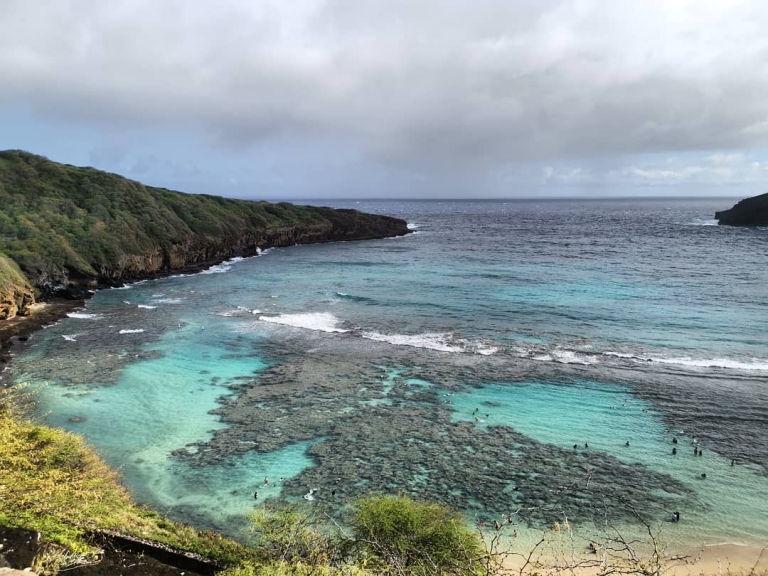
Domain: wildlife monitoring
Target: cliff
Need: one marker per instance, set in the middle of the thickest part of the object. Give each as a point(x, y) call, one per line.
point(15, 291)
point(748, 212)
point(65, 230)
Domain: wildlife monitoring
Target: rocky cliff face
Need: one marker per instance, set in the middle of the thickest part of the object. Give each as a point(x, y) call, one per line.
point(748, 212)
point(202, 251)
point(15, 301)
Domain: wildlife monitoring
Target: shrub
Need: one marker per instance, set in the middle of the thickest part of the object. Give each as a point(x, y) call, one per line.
point(405, 536)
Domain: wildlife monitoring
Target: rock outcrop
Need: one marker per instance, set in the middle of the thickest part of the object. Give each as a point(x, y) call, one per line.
point(748, 212)
point(15, 291)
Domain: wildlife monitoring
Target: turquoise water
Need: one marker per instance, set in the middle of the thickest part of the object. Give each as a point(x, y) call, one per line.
point(353, 367)
point(606, 417)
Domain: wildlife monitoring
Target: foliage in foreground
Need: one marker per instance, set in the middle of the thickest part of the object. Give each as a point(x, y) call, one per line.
point(51, 482)
point(415, 537)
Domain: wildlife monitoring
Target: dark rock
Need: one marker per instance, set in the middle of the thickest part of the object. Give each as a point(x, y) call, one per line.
point(748, 212)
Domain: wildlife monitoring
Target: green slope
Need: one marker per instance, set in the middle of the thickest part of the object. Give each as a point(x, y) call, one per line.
point(71, 228)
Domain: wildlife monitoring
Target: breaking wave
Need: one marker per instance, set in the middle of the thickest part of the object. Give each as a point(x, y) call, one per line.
point(322, 321)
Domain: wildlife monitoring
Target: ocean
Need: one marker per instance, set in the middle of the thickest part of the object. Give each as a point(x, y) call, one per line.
point(537, 361)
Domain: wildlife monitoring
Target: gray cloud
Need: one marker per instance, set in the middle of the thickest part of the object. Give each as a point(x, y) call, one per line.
point(426, 84)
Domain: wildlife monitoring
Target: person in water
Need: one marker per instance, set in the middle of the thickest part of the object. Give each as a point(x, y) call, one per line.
point(674, 451)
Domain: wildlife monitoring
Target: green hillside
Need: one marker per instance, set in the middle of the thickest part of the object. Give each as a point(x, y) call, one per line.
point(70, 228)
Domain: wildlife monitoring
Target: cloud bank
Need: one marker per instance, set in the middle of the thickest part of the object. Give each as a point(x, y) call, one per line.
point(434, 85)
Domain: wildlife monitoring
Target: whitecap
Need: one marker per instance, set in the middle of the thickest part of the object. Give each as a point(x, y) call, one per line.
point(70, 337)
point(702, 222)
point(322, 321)
point(225, 266)
point(571, 357)
point(432, 341)
point(167, 301)
point(755, 364)
point(146, 306)
point(83, 315)
point(134, 331)
point(486, 350)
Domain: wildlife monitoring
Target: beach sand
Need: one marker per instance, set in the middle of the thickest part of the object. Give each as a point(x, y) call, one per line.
point(716, 560)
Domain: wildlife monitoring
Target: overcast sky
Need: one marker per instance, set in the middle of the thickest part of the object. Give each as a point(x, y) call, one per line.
point(395, 98)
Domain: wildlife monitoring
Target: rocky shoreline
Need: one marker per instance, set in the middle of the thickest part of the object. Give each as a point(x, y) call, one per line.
point(748, 212)
point(51, 310)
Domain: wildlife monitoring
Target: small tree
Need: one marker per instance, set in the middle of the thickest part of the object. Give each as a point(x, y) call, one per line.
point(402, 536)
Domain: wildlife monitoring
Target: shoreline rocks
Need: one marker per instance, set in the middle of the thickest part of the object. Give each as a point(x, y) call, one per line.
point(748, 212)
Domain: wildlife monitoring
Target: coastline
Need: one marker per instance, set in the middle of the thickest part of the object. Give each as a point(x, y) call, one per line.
point(21, 328)
point(54, 308)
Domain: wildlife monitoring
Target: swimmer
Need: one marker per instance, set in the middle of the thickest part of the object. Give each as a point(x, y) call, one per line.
point(255, 495)
point(674, 440)
point(733, 462)
point(674, 451)
point(266, 481)
point(703, 475)
point(575, 446)
point(627, 444)
point(586, 445)
point(514, 533)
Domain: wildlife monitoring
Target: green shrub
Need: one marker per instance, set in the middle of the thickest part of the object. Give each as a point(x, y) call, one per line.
point(405, 536)
point(292, 534)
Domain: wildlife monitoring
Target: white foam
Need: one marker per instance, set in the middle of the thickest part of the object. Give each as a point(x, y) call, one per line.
point(570, 357)
point(83, 315)
point(70, 337)
point(433, 340)
point(244, 309)
point(322, 321)
point(135, 331)
point(225, 266)
point(700, 222)
point(146, 306)
point(412, 225)
point(486, 350)
point(756, 364)
point(167, 300)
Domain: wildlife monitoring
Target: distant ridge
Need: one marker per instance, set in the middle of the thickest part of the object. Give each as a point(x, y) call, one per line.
point(65, 230)
point(748, 212)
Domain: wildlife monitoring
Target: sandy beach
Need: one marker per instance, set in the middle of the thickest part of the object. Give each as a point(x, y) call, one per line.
point(719, 559)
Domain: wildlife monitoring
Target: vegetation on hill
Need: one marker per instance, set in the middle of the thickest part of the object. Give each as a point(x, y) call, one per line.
point(68, 227)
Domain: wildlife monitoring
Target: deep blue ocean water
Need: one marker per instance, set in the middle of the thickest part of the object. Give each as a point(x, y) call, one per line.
point(514, 332)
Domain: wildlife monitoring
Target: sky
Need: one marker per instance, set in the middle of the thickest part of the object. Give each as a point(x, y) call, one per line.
point(395, 98)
